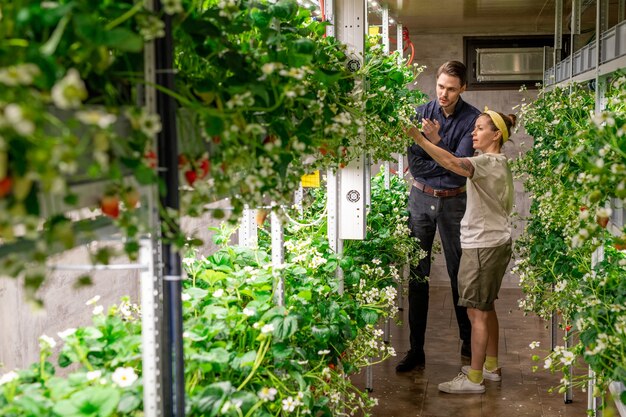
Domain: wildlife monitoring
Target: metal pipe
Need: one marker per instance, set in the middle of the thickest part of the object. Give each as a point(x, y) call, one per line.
point(97, 267)
point(173, 376)
point(558, 30)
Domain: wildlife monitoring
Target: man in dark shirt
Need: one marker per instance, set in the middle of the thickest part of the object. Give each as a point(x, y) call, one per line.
point(437, 201)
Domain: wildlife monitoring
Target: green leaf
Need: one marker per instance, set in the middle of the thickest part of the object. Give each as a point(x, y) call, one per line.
point(196, 292)
point(369, 316)
point(303, 46)
point(244, 361)
point(123, 39)
point(91, 401)
point(260, 18)
point(321, 333)
point(214, 125)
point(31, 406)
point(281, 351)
point(210, 399)
point(306, 294)
point(218, 355)
point(211, 276)
point(246, 399)
point(144, 174)
point(65, 360)
point(87, 27)
point(129, 402)
point(284, 9)
point(285, 328)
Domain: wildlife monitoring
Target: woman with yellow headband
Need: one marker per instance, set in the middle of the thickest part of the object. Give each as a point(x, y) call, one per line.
point(485, 241)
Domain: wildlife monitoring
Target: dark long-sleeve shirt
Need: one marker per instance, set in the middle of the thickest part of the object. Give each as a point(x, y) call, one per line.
point(456, 137)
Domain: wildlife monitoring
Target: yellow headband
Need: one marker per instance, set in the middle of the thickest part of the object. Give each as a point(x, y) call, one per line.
point(499, 122)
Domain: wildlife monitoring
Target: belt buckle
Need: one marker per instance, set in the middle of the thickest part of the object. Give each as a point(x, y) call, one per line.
point(439, 193)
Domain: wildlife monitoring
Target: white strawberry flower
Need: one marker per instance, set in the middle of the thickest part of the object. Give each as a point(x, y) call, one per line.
point(124, 377)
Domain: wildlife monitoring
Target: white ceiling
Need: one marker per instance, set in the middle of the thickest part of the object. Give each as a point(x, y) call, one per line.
point(485, 16)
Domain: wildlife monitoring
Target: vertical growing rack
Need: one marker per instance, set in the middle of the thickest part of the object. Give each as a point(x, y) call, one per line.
point(596, 63)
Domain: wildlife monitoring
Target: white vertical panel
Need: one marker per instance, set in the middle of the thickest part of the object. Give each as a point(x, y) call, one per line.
point(353, 200)
point(149, 332)
point(385, 30)
point(329, 14)
point(278, 255)
point(297, 199)
point(151, 279)
point(333, 209)
point(400, 49)
point(385, 34)
point(248, 233)
point(350, 27)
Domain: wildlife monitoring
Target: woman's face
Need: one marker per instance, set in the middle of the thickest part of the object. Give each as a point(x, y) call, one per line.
point(484, 137)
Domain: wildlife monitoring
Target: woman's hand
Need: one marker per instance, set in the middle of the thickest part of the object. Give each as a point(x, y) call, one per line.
point(417, 136)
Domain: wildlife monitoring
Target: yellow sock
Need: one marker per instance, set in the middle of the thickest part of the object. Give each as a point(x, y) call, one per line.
point(491, 363)
point(476, 376)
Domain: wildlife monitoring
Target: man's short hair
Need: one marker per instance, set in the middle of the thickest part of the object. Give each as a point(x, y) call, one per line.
point(454, 69)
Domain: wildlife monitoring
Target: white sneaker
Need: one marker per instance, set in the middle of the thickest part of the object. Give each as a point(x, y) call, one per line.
point(495, 375)
point(462, 385)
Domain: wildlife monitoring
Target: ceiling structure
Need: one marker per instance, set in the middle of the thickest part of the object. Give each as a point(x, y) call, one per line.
point(476, 17)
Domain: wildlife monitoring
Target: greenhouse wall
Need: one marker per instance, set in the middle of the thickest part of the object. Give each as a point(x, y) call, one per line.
point(64, 306)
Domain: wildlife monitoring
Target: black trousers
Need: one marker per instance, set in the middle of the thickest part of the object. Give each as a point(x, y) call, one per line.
point(427, 214)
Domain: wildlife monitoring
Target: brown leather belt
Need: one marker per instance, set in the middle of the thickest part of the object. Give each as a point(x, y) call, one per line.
point(438, 193)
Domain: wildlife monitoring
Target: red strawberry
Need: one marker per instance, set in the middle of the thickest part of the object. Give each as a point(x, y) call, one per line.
point(182, 160)
point(205, 166)
point(216, 139)
point(151, 159)
point(110, 205)
point(191, 176)
point(5, 186)
point(602, 221)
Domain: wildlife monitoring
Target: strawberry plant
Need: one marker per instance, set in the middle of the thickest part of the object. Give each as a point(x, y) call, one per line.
point(574, 169)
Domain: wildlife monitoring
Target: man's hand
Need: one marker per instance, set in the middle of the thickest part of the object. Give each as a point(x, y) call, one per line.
point(431, 130)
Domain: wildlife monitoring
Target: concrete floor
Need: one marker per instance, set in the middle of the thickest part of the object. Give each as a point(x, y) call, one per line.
point(520, 393)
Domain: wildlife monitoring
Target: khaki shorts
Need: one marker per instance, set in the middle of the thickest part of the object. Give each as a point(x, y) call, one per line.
point(480, 275)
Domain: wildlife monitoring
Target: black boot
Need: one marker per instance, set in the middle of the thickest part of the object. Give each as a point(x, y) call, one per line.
point(411, 361)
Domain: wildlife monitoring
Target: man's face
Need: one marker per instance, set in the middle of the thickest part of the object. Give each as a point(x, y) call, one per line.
point(448, 90)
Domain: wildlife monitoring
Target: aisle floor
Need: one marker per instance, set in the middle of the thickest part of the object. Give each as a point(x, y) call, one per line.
point(521, 392)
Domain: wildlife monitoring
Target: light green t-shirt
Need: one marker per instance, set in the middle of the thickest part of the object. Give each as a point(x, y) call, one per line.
point(489, 202)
